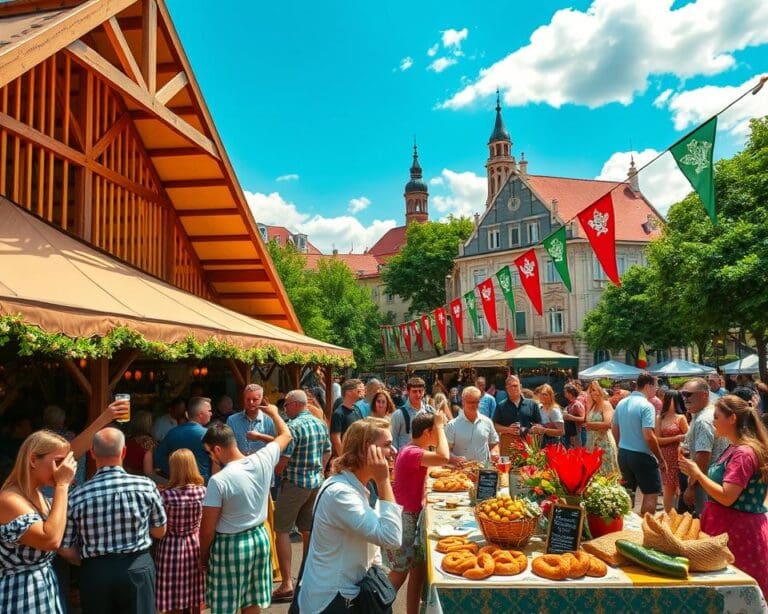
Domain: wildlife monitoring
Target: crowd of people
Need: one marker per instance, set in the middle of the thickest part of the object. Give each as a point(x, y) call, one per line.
point(176, 515)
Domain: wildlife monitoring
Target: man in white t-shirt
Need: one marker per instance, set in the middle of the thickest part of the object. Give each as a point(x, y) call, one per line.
point(234, 544)
point(471, 435)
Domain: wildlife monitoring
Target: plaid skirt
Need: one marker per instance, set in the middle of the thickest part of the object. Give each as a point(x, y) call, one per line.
point(239, 571)
point(33, 590)
point(180, 581)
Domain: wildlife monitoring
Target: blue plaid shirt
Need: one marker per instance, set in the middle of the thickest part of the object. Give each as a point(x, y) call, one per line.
point(310, 441)
point(112, 513)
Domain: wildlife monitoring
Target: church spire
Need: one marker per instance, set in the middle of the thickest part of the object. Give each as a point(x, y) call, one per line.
point(500, 132)
point(416, 193)
point(501, 162)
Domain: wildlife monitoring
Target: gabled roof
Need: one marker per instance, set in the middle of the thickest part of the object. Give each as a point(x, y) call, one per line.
point(362, 265)
point(389, 245)
point(284, 236)
point(139, 55)
point(573, 195)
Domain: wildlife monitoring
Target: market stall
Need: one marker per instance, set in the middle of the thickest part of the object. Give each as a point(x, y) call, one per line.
point(610, 369)
point(677, 367)
point(748, 365)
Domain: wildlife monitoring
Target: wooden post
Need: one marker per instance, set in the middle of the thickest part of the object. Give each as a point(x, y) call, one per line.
point(99, 380)
point(294, 375)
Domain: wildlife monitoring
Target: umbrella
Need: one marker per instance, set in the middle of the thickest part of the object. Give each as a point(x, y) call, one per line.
point(677, 367)
point(745, 365)
point(610, 369)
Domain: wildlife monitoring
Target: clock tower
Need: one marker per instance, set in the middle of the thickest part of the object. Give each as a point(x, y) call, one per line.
point(501, 162)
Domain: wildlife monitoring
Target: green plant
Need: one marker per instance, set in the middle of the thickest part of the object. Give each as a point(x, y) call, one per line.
point(606, 498)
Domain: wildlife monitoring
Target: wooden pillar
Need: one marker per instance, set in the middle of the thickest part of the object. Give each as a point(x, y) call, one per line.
point(294, 375)
point(99, 381)
point(328, 391)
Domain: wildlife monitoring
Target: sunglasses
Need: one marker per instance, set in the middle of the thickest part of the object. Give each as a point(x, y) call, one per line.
point(686, 394)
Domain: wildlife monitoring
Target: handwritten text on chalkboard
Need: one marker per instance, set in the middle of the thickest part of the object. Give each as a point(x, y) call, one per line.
point(487, 484)
point(565, 524)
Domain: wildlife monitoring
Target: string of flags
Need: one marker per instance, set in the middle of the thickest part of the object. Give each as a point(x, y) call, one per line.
point(693, 155)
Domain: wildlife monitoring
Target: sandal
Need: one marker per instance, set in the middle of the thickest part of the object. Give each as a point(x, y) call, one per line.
point(282, 597)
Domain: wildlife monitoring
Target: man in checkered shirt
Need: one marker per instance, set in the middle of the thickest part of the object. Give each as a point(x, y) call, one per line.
point(111, 521)
point(302, 470)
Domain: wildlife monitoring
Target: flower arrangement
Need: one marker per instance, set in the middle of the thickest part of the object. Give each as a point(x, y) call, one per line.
point(607, 498)
point(574, 467)
point(539, 483)
point(528, 453)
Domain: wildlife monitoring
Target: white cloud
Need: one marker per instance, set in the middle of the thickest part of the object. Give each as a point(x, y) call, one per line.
point(344, 232)
point(440, 64)
point(662, 183)
point(358, 204)
point(695, 106)
point(661, 99)
point(609, 53)
point(453, 38)
point(288, 177)
point(432, 51)
point(406, 63)
point(463, 193)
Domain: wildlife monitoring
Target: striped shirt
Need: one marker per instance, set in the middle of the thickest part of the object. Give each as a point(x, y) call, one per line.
point(310, 441)
point(112, 513)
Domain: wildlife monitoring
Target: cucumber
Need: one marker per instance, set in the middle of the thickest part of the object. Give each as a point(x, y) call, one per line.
point(653, 560)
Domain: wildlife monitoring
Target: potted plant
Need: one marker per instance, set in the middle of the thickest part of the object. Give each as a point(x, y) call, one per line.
point(606, 502)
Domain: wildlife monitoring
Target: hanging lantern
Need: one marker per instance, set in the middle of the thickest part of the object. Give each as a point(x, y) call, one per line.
point(196, 371)
point(127, 375)
point(203, 371)
point(151, 376)
point(83, 363)
point(137, 375)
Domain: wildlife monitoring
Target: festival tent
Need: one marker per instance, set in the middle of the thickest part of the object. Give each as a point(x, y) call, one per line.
point(531, 357)
point(433, 362)
point(610, 369)
point(677, 367)
point(487, 357)
point(749, 365)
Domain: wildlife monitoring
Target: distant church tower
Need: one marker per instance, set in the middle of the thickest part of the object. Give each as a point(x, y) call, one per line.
point(416, 194)
point(501, 162)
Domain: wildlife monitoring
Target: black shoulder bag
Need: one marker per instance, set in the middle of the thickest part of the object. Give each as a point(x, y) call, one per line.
point(376, 591)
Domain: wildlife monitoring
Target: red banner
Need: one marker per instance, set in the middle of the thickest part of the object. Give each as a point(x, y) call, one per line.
point(598, 223)
point(426, 327)
point(406, 335)
point(440, 321)
point(510, 344)
point(457, 315)
point(416, 330)
point(488, 298)
point(528, 268)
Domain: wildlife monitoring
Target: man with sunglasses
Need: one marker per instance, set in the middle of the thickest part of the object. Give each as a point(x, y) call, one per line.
point(702, 444)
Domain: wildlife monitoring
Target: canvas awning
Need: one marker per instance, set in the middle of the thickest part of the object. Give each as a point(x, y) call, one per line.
point(63, 285)
point(433, 362)
point(610, 369)
point(677, 367)
point(748, 365)
point(531, 357)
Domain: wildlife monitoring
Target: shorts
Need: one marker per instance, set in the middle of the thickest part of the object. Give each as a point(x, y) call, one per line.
point(411, 552)
point(639, 469)
point(294, 507)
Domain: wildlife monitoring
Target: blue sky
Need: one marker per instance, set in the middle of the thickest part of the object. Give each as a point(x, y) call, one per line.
point(318, 103)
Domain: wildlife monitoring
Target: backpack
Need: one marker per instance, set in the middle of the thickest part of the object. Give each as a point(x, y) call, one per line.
point(407, 417)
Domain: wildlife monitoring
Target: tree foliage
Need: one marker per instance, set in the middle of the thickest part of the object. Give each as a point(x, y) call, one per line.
point(417, 273)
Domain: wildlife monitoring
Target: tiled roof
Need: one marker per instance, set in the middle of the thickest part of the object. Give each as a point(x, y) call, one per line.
point(283, 235)
point(389, 245)
point(362, 265)
point(573, 195)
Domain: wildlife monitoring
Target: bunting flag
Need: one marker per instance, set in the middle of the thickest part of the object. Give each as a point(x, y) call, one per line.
point(642, 359)
point(528, 266)
point(426, 326)
point(457, 315)
point(488, 299)
point(471, 301)
point(440, 322)
point(396, 334)
point(406, 335)
point(382, 332)
point(598, 223)
point(504, 277)
point(510, 343)
point(693, 154)
point(557, 248)
point(416, 330)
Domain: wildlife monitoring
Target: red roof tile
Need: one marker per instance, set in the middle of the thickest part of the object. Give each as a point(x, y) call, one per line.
point(362, 265)
point(573, 195)
point(283, 235)
point(389, 245)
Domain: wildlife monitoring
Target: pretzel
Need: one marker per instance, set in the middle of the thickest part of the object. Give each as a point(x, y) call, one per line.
point(551, 566)
point(509, 562)
point(441, 472)
point(578, 564)
point(458, 562)
point(484, 568)
point(597, 569)
point(489, 549)
point(456, 544)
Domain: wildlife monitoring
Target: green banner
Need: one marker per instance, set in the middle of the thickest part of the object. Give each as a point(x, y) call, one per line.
point(557, 248)
point(504, 277)
point(693, 155)
point(470, 300)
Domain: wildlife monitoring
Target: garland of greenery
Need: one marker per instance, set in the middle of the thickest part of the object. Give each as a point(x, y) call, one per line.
point(33, 340)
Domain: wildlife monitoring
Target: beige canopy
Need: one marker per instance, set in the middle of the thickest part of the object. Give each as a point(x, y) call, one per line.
point(64, 285)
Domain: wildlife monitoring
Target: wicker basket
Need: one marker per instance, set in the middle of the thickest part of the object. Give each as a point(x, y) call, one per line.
point(515, 533)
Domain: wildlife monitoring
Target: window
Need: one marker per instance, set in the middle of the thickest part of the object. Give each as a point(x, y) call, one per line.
point(494, 238)
point(533, 232)
point(551, 276)
point(621, 264)
point(555, 321)
point(375, 294)
point(597, 270)
point(514, 235)
point(515, 276)
point(390, 298)
point(520, 324)
point(263, 233)
point(601, 356)
point(662, 355)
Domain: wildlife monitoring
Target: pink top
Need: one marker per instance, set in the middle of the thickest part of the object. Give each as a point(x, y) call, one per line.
point(657, 404)
point(410, 478)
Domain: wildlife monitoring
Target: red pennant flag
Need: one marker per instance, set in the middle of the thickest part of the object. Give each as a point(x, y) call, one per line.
point(440, 320)
point(598, 223)
point(457, 315)
point(510, 343)
point(528, 268)
point(488, 298)
point(406, 335)
point(426, 327)
point(416, 330)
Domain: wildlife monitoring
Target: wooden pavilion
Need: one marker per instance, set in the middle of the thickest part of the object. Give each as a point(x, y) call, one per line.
point(104, 135)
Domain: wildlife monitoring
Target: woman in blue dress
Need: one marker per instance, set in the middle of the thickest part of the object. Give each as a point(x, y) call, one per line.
point(31, 526)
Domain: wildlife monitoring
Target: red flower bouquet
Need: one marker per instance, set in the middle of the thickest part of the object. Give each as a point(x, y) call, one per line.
point(574, 467)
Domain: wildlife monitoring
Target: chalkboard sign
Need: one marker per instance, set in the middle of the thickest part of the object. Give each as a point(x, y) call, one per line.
point(487, 484)
point(565, 524)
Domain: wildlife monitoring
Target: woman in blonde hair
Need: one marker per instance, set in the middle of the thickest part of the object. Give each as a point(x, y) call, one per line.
point(442, 406)
point(345, 526)
point(180, 580)
point(31, 527)
point(736, 484)
point(598, 425)
point(552, 425)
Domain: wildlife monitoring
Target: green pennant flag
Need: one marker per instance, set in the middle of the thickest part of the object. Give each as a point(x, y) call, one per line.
point(693, 155)
point(504, 277)
point(390, 340)
point(396, 333)
point(471, 302)
point(557, 248)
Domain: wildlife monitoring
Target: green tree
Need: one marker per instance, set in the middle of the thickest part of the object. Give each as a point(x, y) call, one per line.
point(417, 273)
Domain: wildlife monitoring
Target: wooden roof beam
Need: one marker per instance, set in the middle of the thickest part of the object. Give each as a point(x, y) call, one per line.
point(218, 238)
point(123, 51)
point(91, 60)
point(215, 182)
point(206, 212)
point(173, 87)
point(149, 44)
point(237, 275)
point(249, 296)
point(110, 135)
point(232, 262)
point(140, 114)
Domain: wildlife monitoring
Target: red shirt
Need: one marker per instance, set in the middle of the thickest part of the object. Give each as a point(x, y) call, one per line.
point(410, 478)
